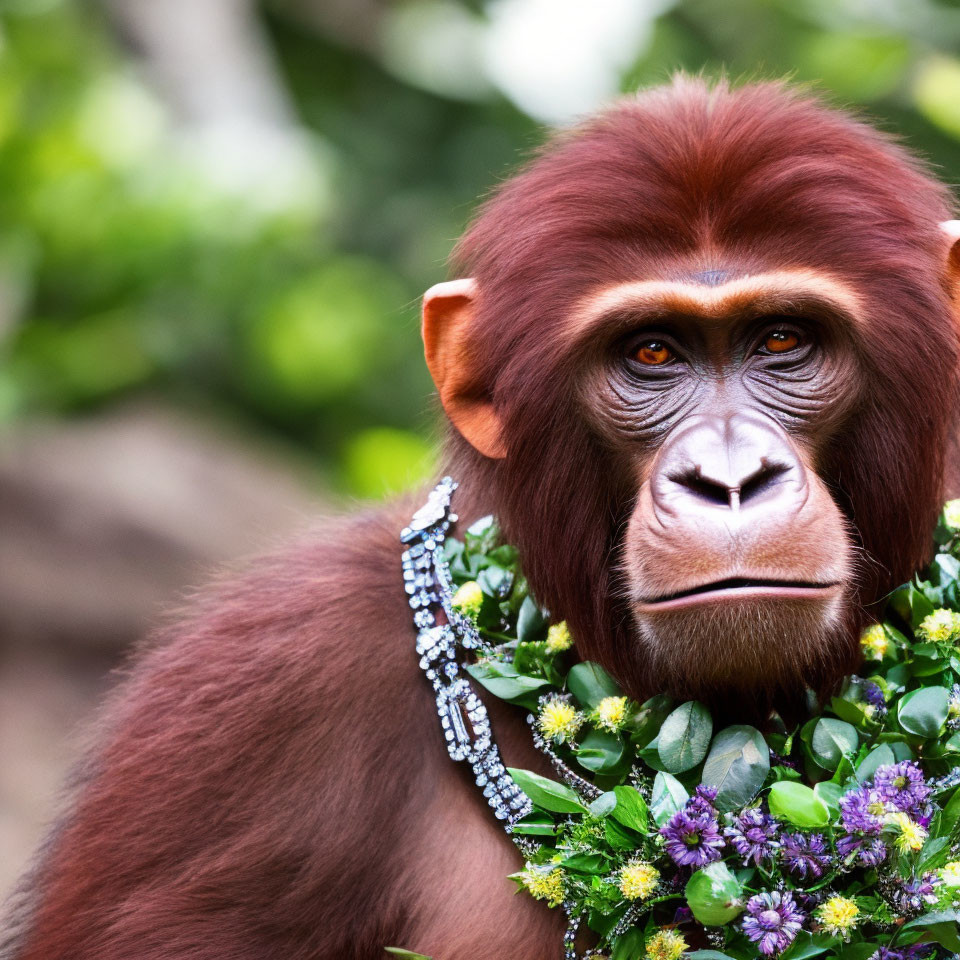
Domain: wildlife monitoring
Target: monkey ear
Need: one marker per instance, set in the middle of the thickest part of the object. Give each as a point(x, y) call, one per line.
point(448, 312)
point(951, 229)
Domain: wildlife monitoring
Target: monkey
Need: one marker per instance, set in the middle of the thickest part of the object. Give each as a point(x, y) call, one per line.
point(699, 359)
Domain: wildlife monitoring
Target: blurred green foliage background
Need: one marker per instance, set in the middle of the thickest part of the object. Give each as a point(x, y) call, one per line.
point(263, 264)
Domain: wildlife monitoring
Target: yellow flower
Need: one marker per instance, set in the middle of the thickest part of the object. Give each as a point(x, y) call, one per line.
point(638, 880)
point(544, 885)
point(666, 945)
point(911, 835)
point(951, 514)
point(611, 713)
point(558, 637)
point(558, 720)
point(469, 599)
point(950, 873)
point(838, 916)
point(940, 626)
point(874, 642)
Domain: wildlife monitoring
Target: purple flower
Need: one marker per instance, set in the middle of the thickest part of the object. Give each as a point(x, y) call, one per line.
point(875, 698)
point(862, 813)
point(702, 802)
point(805, 855)
point(916, 893)
point(753, 834)
point(917, 951)
point(868, 851)
point(773, 921)
point(902, 785)
point(693, 834)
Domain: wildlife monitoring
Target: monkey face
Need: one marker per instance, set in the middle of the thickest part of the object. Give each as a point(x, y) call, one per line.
point(705, 373)
point(720, 399)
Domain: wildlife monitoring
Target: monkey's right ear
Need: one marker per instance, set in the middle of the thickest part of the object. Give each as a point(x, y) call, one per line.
point(951, 229)
point(448, 313)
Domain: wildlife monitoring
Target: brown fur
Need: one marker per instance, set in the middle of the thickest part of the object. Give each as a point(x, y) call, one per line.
point(271, 780)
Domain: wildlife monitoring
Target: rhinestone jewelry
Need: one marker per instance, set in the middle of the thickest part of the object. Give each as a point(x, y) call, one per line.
point(463, 717)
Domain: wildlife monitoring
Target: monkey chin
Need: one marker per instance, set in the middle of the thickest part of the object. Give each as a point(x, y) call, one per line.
point(749, 652)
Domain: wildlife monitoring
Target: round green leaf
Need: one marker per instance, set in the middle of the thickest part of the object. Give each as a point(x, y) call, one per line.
point(924, 712)
point(714, 895)
point(797, 804)
point(737, 765)
point(832, 740)
point(600, 751)
point(685, 737)
point(881, 756)
point(603, 805)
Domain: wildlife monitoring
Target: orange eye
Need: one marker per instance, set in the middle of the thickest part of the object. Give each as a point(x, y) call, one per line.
point(653, 353)
point(780, 341)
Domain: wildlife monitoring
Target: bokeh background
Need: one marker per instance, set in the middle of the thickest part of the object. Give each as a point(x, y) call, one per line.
point(216, 218)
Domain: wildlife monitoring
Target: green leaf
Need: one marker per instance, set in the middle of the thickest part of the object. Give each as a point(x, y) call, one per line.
point(949, 816)
point(685, 737)
point(603, 805)
point(631, 808)
point(590, 683)
point(649, 719)
point(923, 712)
point(714, 895)
point(707, 955)
point(910, 604)
point(592, 863)
point(881, 756)
point(831, 741)
point(737, 765)
point(535, 829)
point(409, 954)
point(547, 794)
point(940, 925)
point(829, 793)
point(668, 796)
point(858, 951)
point(798, 804)
point(495, 581)
point(620, 838)
point(531, 623)
point(503, 681)
point(934, 854)
point(808, 945)
point(600, 751)
point(629, 946)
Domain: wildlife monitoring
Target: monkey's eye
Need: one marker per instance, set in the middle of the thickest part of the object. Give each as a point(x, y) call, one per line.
point(653, 353)
point(780, 341)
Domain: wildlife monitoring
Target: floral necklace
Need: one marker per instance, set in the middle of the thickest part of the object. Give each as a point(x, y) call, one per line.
point(840, 838)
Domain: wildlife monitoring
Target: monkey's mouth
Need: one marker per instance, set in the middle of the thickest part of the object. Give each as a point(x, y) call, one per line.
point(740, 588)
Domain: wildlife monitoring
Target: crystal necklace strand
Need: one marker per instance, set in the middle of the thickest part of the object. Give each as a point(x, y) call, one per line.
point(463, 717)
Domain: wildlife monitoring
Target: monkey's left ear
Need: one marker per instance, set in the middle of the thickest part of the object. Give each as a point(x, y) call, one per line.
point(448, 314)
point(951, 229)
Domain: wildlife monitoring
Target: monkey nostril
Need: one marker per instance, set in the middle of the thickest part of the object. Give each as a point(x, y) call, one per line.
point(703, 487)
point(760, 481)
point(727, 494)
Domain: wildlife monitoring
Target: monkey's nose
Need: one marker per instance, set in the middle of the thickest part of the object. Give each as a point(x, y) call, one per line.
point(729, 463)
point(730, 490)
